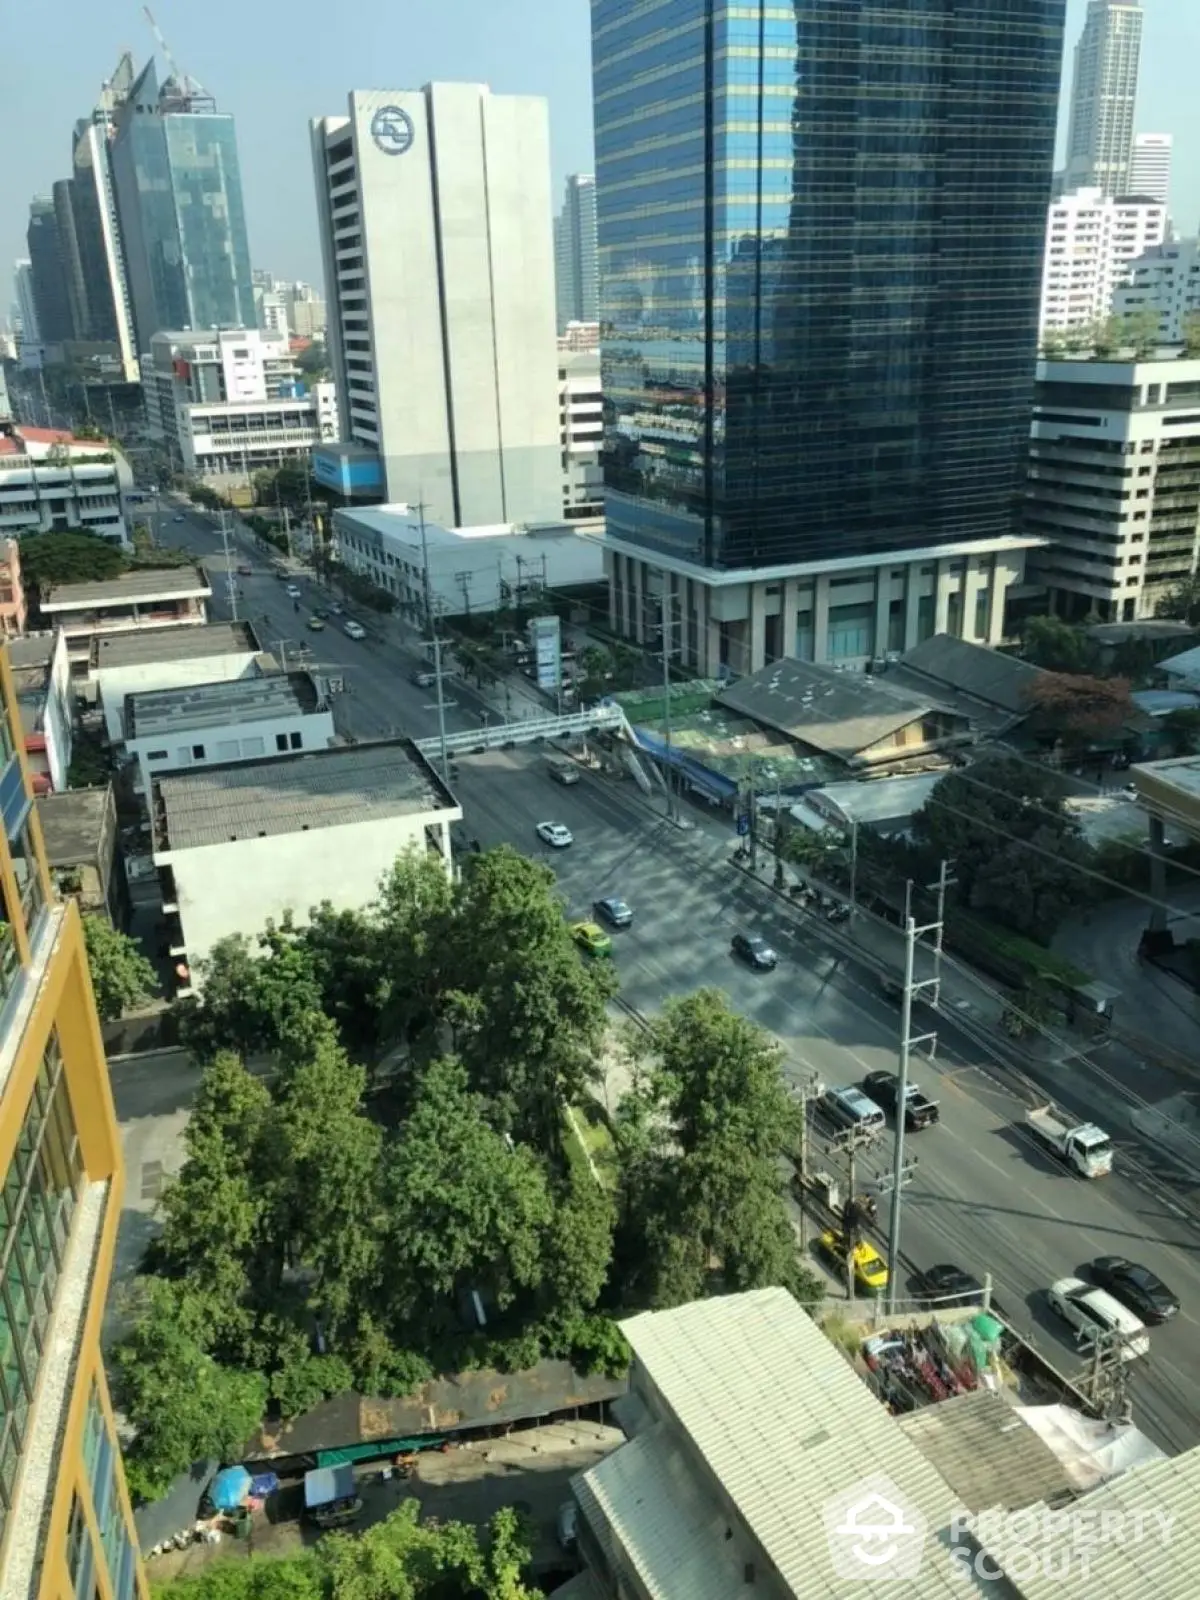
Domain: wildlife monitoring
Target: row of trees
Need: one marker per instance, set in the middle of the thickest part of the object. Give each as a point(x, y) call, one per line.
point(400, 1558)
point(399, 1157)
point(1137, 331)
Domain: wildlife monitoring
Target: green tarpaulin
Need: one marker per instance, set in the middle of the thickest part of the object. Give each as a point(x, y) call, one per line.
point(379, 1447)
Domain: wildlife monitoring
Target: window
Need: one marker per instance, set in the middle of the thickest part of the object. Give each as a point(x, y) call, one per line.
point(297, 741)
point(156, 755)
point(197, 752)
point(281, 742)
point(25, 867)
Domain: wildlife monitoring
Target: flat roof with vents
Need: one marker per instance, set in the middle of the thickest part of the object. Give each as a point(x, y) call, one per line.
point(159, 712)
point(292, 794)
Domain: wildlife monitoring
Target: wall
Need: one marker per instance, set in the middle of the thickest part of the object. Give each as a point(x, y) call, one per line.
point(58, 721)
point(242, 741)
point(290, 872)
point(114, 683)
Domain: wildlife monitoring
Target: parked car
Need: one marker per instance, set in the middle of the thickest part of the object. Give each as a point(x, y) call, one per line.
point(1141, 1290)
point(354, 630)
point(590, 936)
point(554, 833)
point(851, 1108)
point(1095, 1317)
point(566, 1524)
point(870, 1269)
point(950, 1285)
point(754, 950)
point(919, 1110)
point(613, 911)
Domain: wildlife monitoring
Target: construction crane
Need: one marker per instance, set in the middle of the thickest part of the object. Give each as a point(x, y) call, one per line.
point(189, 90)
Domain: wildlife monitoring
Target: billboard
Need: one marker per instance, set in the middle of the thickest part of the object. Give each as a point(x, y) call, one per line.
point(545, 640)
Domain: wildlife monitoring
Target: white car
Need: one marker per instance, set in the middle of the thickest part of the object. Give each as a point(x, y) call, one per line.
point(553, 833)
point(294, 590)
point(1096, 1317)
point(354, 630)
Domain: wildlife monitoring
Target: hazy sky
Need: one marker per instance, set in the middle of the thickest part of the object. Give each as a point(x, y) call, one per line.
point(275, 64)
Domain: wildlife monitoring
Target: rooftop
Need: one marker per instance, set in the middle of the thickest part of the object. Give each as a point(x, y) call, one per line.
point(158, 712)
point(1185, 665)
point(147, 583)
point(74, 824)
point(293, 794)
point(976, 671)
point(35, 652)
point(173, 644)
point(985, 1451)
point(784, 1425)
point(840, 713)
point(876, 801)
point(1171, 790)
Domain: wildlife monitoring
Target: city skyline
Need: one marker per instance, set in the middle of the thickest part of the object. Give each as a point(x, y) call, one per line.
point(463, 40)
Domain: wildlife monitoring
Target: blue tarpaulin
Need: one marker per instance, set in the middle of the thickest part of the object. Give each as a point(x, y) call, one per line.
point(230, 1488)
point(325, 1484)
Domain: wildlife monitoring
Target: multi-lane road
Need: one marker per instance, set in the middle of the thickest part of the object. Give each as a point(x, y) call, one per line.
point(982, 1195)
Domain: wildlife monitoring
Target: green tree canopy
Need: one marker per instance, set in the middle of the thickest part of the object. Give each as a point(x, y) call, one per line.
point(1180, 604)
point(1057, 645)
point(73, 557)
point(122, 978)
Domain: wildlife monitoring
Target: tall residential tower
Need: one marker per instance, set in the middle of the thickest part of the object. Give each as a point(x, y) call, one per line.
point(179, 198)
point(1150, 168)
point(1103, 96)
point(66, 1527)
point(434, 210)
point(575, 265)
point(821, 234)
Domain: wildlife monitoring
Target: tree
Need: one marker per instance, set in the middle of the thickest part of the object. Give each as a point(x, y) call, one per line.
point(122, 978)
point(528, 1015)
point(251, 992)
point(182, 1404)
point(1078, 708)
point(1191, 334)
point(596, 672)
point(48, 559)
point(466, 1207)
point(1057, 646)
point(265, 1578)
point(1180, 604)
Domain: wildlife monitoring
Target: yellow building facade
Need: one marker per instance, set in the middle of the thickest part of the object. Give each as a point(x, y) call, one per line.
point(66, 1525)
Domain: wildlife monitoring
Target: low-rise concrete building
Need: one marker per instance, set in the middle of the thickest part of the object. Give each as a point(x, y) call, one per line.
point(149, 597)
point(207, 724)
point(469, 569)
point(79, 829)
point(167, 658)
point(51, 481)
point(42, 678)
point(242, 843)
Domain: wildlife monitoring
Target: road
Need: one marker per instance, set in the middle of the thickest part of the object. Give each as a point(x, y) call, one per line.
point(982, 1195)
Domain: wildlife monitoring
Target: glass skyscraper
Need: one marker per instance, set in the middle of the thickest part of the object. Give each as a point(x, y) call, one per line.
point(820, 230)
point(183, 222)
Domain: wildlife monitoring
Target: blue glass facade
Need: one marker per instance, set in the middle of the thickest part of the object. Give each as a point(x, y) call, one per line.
point(183, 222)
point(820, 229)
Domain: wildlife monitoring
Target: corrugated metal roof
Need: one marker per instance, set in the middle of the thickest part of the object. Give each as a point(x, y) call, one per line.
point(986, 1453)
point(1162, 1563)
point(837, 712)
point(228, 703)
point(785, 1426)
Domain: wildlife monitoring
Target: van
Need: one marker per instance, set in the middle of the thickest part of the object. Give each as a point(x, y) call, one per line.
point(850, 1108)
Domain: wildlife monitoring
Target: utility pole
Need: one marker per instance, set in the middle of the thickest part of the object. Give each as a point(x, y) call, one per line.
point(854, 871)
point(802, 1091)
point(666, 666)
point(912, 934)
point(230, 575)
point(854, 1140)
point(287, 530)
point(463, 579)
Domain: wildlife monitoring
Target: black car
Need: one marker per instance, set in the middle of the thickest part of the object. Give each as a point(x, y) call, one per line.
point(919, 1110)
point(1137, 1287)
point(754, 950)
point(950, 1285)
point(614, 911)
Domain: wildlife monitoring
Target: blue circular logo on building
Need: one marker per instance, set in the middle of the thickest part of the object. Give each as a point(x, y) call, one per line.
point(392, 130)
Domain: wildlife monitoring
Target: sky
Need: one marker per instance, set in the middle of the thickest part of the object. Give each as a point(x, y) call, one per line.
point(276, 63)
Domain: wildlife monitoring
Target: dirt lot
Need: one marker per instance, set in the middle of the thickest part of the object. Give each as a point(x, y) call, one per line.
point(529, 1470)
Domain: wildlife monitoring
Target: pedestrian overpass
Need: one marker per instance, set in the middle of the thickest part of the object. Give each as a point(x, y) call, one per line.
point(528, 730)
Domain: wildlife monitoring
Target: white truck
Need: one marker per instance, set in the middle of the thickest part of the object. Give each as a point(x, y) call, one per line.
point(1082, 1145)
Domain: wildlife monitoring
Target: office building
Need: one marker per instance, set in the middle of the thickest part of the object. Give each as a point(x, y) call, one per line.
point(227, 403)
point(47, 277)
point(581, 419)
point(435, 220)
point(66, 1526)
point(1114, 484)
point(1103, 96)
point(1091, 242)
point(576, 265)
point(817, 376)
point(146, 599)
point(29, 333)
point(179, 197)
point(1165, 280)
point(305, 310)
point(50, 481)
point(1150, 167)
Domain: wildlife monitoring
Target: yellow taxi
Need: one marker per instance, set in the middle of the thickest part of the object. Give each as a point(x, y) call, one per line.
point(590, 936)
point(870, 1269)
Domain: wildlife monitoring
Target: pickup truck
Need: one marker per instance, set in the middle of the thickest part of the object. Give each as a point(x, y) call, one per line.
point(919, 1110)
point(1082, 1145)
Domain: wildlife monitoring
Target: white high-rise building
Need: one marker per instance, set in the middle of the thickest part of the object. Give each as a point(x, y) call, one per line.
point(582, 412)
point(576, 256)
point(1103, 94)
point(29, 342)
point(1090, 243)
point(435, 215)
point(1165, 280)
point(1150, 169)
